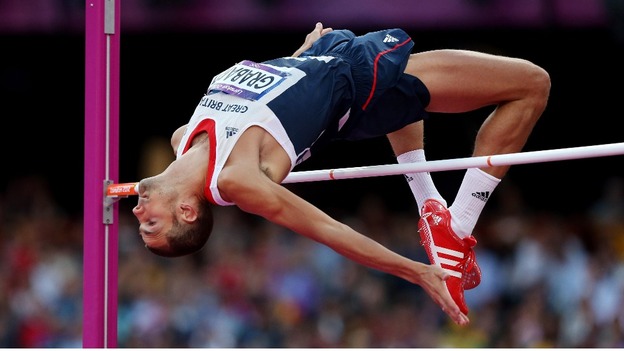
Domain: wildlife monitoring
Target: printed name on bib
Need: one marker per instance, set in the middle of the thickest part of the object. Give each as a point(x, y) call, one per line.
point(248, 80)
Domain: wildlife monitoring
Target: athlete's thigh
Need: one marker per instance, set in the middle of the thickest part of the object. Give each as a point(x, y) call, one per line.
point(460, 81)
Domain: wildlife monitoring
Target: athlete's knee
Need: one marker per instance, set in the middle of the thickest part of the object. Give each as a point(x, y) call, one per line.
point(538, 84)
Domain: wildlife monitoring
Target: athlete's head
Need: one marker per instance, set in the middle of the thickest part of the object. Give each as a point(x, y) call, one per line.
point(169, 225)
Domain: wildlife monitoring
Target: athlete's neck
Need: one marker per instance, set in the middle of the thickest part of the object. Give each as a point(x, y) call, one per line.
point(199, 139)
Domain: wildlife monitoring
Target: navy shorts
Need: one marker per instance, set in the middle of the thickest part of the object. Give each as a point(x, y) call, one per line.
point(386, 98)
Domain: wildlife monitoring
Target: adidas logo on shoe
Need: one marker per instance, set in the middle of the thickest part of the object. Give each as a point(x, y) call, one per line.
point(390, 39)
point(448, 251)
point(482, 195)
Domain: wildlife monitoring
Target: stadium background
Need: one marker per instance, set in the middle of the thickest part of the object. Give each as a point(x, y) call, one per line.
point(550, 240)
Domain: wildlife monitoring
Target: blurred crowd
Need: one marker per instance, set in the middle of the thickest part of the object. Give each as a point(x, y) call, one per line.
point(549, 280)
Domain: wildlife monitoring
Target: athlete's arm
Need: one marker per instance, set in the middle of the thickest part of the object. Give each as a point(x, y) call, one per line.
point(258, 195)
point(313, 36)
point(243, 182)
point(176, 137)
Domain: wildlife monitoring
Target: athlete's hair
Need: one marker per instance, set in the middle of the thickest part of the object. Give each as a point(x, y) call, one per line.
point(184, 238)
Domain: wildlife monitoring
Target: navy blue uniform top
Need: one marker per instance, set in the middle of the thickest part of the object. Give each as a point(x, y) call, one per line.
point(343, 87)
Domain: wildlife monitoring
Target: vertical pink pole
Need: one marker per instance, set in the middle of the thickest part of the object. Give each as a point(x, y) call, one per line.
point(101, 164)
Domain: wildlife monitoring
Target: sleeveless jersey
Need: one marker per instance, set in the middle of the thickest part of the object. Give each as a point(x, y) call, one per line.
point(252, 94)
point(343, 87)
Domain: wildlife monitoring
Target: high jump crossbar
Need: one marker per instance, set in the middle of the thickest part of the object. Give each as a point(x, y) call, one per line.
point(581, 152)
point(459, 163)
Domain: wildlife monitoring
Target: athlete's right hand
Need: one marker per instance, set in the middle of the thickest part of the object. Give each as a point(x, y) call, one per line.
point(432, 279)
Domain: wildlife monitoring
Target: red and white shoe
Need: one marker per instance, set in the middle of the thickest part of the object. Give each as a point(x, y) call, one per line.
point(445, 249)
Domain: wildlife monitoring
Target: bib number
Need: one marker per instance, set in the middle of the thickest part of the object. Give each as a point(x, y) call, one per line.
point(248, 80)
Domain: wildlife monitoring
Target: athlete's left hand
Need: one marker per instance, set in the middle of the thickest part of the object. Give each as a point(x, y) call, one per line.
point(313, 36)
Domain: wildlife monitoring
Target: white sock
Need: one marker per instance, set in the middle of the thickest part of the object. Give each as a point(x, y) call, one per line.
point(474, 192)
point(420, 183)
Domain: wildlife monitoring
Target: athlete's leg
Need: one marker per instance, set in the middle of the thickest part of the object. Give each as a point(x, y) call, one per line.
point(408, 146)
point(461, 81)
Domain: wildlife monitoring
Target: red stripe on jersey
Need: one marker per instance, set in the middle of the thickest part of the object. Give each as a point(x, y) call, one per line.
point(208, 126)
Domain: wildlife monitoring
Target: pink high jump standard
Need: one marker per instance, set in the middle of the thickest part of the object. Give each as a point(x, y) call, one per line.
point(101, 163)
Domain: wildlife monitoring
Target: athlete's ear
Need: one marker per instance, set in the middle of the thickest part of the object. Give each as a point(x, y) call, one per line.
point(187, 212)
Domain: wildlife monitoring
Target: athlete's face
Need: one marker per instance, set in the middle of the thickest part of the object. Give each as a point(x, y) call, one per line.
point(154, 215)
